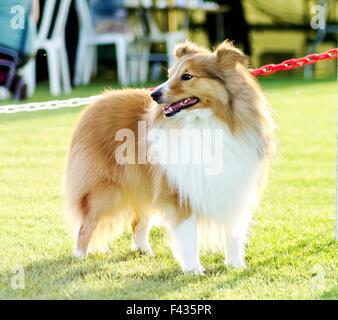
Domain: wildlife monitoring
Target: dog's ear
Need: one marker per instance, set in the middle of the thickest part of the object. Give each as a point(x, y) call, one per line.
point(228, 55)
point(188, 47)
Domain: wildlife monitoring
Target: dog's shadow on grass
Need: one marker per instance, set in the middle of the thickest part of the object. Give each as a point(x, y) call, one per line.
point(127, 275)
point(64, 272)
point(131, 275)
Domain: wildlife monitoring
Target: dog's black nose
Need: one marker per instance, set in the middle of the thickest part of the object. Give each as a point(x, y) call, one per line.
point(156, 95)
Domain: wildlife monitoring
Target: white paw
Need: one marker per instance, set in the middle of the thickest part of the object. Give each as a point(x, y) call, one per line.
point(143, 249)
point(237, 263)
point(79, 254)
point(198, 270)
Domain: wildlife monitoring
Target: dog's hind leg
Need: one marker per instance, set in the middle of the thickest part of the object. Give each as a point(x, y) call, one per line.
point(140, 231)
point(95, 206)
point(86, 230)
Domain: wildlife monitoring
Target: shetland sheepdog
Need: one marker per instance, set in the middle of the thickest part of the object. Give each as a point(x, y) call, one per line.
point(195, 151)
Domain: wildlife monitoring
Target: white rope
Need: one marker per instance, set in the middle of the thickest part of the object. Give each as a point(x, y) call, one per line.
point(48, 105)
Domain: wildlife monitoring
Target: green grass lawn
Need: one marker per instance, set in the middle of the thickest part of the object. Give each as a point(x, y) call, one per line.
point(291, 254)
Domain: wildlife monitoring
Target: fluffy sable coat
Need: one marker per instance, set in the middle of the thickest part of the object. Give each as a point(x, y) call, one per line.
point(205, 91)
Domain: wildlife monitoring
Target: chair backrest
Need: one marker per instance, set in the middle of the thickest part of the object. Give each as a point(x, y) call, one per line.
point(61, 18)
point(46, 19)
point(84, 16)
point(46, 27)
point(154, 28)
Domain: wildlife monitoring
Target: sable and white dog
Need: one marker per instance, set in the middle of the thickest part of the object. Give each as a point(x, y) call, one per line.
point(198, 155)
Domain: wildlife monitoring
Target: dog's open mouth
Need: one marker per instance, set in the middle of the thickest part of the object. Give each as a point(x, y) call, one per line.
point(175, 107)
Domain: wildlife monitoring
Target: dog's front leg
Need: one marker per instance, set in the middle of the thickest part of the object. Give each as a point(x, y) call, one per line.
point(184, 244)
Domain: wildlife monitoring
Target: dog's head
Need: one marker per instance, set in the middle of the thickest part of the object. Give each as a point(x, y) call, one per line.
point(200, 78)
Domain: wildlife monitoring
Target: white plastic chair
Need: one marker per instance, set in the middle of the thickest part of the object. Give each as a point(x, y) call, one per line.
point(54, 45)
point(155, 35)
point(28, 71)
point(169, 38)
point(89, 40)
point(29, 74)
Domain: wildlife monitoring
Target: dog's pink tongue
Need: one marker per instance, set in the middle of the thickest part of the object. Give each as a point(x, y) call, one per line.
point(177, 106)
point(174, 107)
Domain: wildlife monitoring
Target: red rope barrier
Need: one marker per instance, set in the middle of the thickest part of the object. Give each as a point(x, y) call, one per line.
point(295, 63)
point(292, 63)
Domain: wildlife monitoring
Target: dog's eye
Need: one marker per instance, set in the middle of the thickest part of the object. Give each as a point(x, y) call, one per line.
point(186, 76)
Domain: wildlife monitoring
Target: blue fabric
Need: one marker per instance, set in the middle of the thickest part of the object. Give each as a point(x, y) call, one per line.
point(105, 8)
point(16, 33)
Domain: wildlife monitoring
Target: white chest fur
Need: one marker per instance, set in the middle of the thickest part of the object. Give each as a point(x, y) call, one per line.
point(216, 171)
